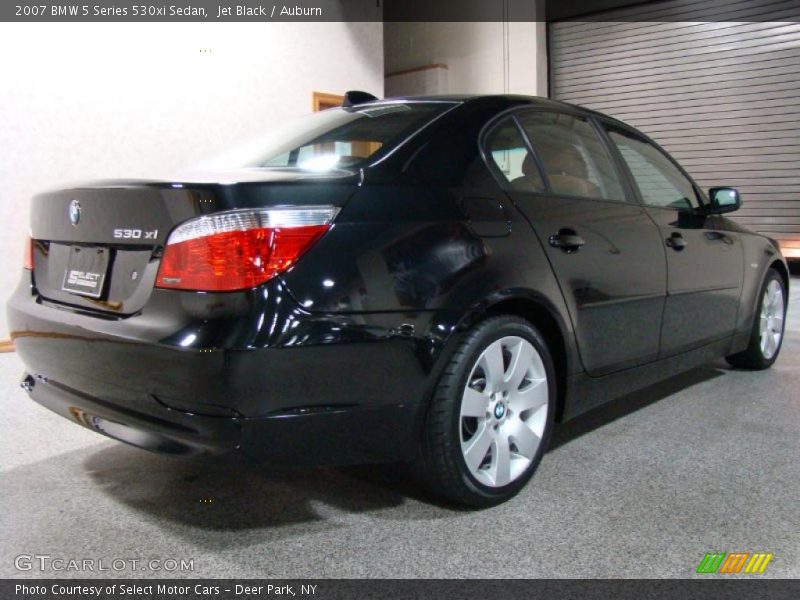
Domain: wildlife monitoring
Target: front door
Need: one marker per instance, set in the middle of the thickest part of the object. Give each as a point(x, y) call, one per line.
point(704, 259)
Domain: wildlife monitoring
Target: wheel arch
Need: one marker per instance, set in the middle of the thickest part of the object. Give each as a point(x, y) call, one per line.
point(780, 267)
point(783, 271)
point(540, 312)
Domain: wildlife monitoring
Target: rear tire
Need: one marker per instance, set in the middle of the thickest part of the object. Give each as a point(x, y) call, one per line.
point(766, 335)
point(491, 415)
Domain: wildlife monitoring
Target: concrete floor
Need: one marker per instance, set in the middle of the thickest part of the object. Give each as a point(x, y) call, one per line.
point(643, 487)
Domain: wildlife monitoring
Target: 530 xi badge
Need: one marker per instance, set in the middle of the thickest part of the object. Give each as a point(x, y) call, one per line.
point(135, 234)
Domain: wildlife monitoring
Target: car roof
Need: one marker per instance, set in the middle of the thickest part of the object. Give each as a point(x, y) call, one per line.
point(513, 100)
point(462, 98)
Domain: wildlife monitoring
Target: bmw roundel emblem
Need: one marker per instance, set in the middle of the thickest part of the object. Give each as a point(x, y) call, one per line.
point(75, 212)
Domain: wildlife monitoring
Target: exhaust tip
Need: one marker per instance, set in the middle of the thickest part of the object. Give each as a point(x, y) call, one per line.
point(27, 383)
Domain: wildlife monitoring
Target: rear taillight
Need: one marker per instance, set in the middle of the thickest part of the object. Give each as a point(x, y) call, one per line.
point(240, 249)
point(28, 254)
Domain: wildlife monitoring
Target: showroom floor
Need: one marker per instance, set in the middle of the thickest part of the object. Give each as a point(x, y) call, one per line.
point(641, 488)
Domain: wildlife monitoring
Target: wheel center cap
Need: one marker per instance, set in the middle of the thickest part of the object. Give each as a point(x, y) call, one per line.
point(499, 410)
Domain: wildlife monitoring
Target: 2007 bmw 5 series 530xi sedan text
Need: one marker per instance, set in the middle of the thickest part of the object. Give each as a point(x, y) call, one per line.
point(433, 281)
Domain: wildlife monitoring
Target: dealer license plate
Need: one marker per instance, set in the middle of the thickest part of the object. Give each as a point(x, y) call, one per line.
point(86, 271)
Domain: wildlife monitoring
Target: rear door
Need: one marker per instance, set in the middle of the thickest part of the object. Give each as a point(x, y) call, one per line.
point(604, 249)
point(704, 259)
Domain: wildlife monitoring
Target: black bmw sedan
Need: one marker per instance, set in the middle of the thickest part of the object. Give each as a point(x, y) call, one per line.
point(434, 281)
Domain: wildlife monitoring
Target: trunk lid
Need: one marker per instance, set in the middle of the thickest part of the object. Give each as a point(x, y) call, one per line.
point(111, 234)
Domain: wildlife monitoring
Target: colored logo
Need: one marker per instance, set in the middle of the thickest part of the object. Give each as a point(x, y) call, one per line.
point(74, 212)
point(734, 562)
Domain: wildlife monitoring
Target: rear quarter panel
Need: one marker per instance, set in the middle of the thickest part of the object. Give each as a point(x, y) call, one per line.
point(399, 251)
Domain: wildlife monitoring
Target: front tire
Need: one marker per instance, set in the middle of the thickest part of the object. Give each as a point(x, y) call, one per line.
point(491, 415)
point(766, 335)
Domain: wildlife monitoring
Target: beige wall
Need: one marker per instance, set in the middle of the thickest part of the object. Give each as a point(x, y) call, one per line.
point(489, 57)
point(84, 101)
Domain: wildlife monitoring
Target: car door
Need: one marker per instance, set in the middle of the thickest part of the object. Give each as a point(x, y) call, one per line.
point(705, 262)
point(605, 251)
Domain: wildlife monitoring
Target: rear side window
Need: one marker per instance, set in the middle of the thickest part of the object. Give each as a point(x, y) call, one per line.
point(660, 182)
point(574, 158)
point(510, 155)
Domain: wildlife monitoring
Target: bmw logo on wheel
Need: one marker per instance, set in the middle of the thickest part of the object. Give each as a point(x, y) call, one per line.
point(75, 212)
point(499, 410)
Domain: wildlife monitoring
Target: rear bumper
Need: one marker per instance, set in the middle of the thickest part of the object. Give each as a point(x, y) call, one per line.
point(331, 390)
point(336, 436)
point(174, 432)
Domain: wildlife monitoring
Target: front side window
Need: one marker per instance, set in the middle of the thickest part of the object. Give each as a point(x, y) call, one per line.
point(660, 181)
point(333, 138)
point(511, 157)
point(573, 156)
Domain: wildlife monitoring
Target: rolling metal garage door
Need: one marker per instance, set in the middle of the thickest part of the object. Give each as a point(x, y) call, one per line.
point(722, 96)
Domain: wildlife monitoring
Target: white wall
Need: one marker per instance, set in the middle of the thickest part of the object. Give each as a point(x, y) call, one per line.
point(481, 58)
point(91, 100)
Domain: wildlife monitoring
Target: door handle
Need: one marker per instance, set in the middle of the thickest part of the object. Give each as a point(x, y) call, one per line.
point(718, 236)
point(676, 241)
point(567, 240)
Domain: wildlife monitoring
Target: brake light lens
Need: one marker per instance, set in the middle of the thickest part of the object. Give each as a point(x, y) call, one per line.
point(28, 260)
point(240, 249)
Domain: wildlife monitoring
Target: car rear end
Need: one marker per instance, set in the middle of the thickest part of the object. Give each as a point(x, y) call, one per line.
point(141, 298)
point(157, 312)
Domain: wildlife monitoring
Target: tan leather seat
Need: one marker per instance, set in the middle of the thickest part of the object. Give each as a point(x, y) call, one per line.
point(567, 171)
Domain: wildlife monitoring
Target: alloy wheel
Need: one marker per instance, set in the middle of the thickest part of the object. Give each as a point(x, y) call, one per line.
point(504, 411)
point(771, 323)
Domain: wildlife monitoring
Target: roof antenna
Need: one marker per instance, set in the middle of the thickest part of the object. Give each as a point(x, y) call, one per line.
point(356, 97)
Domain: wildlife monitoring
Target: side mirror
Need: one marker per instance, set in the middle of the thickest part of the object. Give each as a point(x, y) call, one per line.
point(724, 200)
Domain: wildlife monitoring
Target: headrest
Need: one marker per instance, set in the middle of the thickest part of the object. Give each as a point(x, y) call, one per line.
point(529, 166)
point(562, 159)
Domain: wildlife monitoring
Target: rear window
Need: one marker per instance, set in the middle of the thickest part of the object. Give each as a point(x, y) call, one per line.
point(334, 138)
